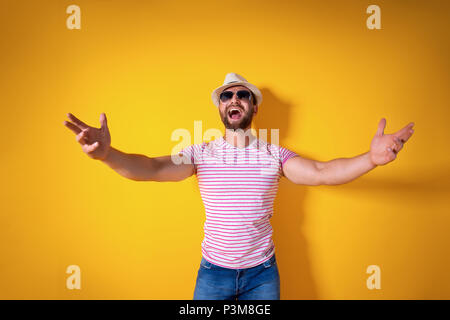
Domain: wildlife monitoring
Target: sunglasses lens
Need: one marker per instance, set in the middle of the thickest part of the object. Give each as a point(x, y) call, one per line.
point(226, 95)
point(243, 95)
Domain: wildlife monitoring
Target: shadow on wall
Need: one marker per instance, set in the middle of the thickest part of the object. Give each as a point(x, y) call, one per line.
point(425, 185)
point(290, 245)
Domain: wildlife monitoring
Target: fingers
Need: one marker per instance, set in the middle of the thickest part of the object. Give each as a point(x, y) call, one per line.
point(395, 148)
point(381, 126)
point(77, 122)
point(398, 144)
point(405, 133)
point(92, 147)
point(72, 127)
point(82, 137)
point(103, 121)
point(391, 155)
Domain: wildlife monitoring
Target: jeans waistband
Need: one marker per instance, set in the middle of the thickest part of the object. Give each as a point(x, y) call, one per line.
point(206, 264)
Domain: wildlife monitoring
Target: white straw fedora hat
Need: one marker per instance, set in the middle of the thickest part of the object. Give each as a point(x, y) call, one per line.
point(231, 80)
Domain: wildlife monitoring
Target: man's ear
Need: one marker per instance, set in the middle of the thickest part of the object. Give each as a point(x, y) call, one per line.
point(256, 109)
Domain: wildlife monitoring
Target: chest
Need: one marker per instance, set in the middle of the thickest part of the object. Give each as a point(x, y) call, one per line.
point(238, 167)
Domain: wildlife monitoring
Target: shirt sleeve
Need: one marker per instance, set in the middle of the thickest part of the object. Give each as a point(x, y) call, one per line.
point(286, 154)
point(189, 153)
point(193, 153)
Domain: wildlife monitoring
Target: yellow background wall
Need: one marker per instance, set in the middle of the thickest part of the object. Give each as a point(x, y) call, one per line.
point(150, 66)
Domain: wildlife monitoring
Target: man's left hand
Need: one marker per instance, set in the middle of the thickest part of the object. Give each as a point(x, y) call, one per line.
point(385, 147)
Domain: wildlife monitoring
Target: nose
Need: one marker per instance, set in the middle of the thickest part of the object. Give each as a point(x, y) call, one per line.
point(234, 99)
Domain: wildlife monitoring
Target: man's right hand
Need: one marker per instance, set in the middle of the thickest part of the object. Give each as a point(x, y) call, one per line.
point(95, 142)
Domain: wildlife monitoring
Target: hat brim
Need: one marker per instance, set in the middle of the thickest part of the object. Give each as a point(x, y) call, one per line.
point(216, 93)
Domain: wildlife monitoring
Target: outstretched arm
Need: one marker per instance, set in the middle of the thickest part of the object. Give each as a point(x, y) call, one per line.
point(96, 143)
point(383, 149)
point(139, 167)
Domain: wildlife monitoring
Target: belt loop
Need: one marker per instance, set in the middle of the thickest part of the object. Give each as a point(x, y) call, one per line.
point(205, 263)
point(270, 262)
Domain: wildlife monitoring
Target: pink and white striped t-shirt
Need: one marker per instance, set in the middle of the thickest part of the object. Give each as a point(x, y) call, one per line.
point(238, 187)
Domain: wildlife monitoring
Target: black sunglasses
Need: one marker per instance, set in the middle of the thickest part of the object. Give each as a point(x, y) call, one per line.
point(241, 95)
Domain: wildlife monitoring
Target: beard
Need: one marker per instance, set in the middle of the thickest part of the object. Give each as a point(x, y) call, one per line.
point(242, 123)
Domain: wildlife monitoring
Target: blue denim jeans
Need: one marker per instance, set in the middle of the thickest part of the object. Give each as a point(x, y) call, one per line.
point(257, 283)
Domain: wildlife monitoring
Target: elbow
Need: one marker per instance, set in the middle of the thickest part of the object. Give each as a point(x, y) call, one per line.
point(324, 176)
point(310, 182)
point(331, 182)
point(138, 179)
point(320, 174)
point(318, 183)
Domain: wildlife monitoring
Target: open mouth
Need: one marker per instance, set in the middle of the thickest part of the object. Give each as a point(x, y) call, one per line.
point(235, 113)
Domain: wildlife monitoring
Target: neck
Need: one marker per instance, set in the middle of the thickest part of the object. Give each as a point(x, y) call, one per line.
point(240, 138)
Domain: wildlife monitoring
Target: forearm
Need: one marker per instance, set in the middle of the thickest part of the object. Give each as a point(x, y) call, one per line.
point(132, 166)
point(343, 170)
